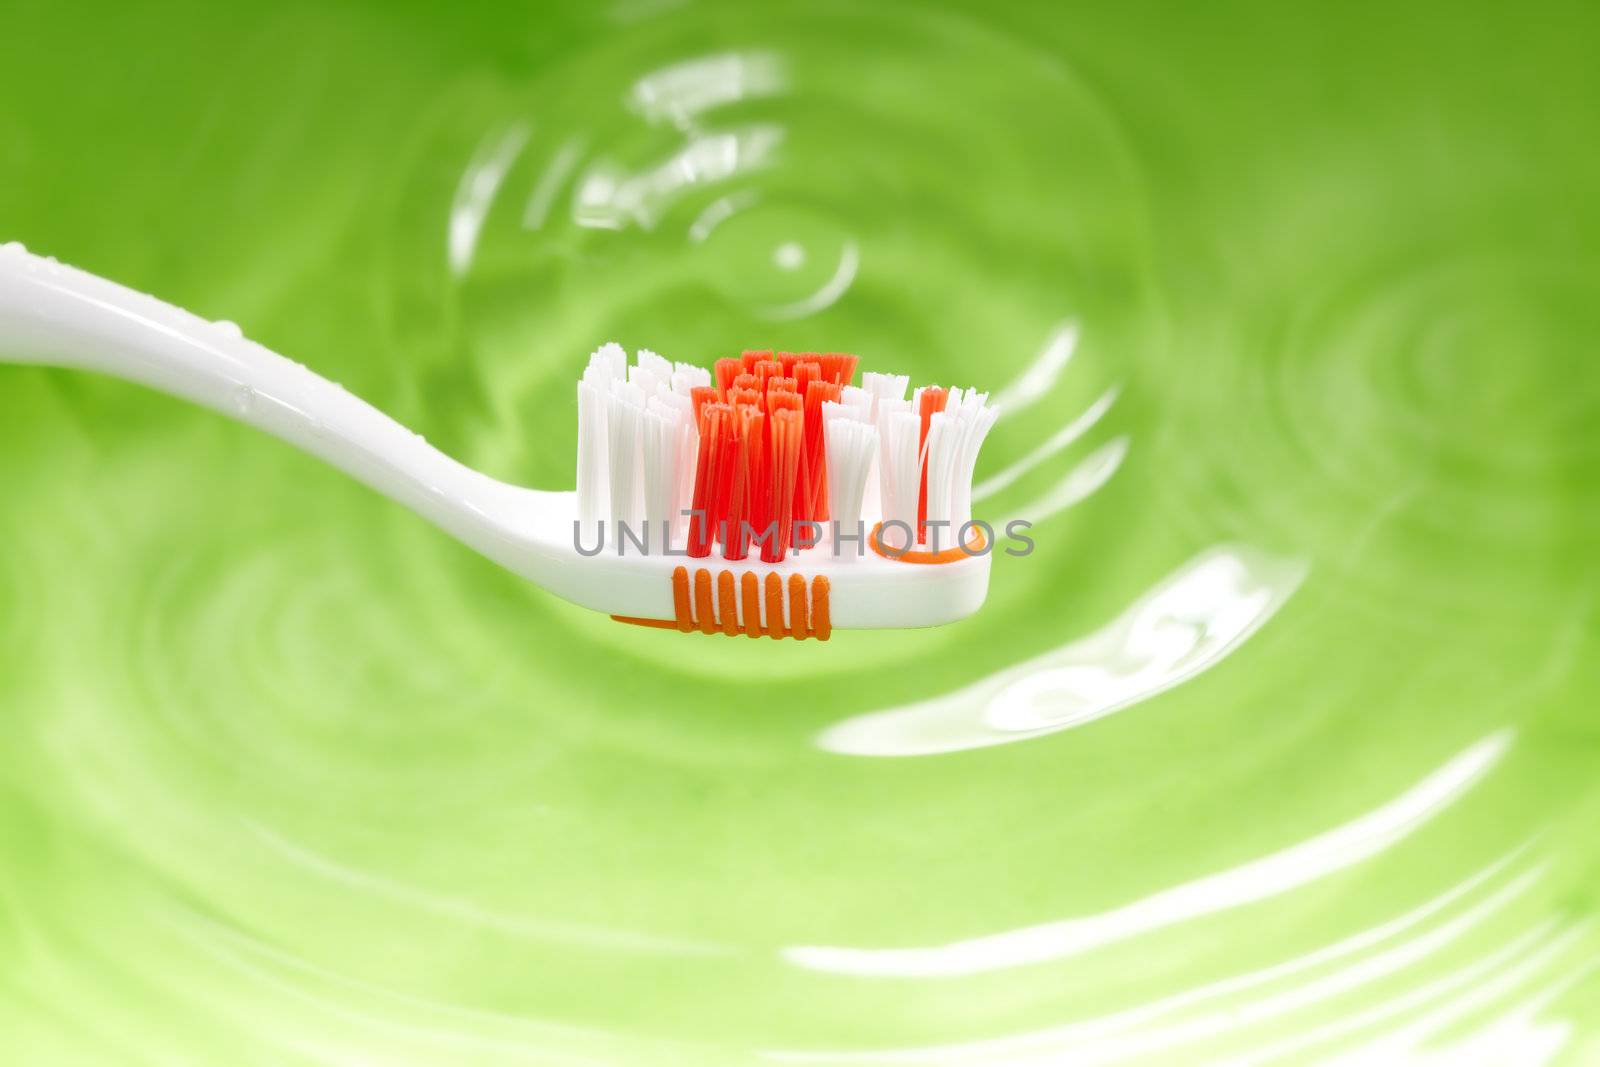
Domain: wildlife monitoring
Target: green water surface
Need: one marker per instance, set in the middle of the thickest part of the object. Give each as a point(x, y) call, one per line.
point(1281, 747)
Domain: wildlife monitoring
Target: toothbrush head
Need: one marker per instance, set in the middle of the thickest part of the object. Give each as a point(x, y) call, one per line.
point(797, 501)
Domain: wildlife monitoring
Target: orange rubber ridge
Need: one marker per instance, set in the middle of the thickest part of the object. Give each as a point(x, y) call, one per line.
point(698, 607)
point(955, 554)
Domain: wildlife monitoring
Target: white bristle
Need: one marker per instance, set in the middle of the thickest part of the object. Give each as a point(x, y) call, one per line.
point(659, 451)
point(612, 358)
point(939, 453)
point(983, 421)
point(660, 366)
point(857, 400)
point(841, 409)
point(599, 376)
point(669, 447)
point(648, 381)
point(636, 442)
point(885, 386)
point(686, 376)
point(954, 437)
point(624, 415)
point(851, 442)
point(879, 387)
point(607, 366)
point(900, 429)
point(593, 474)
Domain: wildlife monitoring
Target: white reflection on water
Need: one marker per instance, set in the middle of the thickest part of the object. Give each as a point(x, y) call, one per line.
point(1057, 441)
point(549, 183)
point(1518, 1037)
point(1186, 623)
point(1083, 480)
point(1278, 872)
point(473, 915)
point(826, 296)
point(1038, 377)
point(380, 1012)
point(475, 193)
point(1372, 954)
point(1462, 991)
point(719, 211)
point(611, 197)
point(679, 94)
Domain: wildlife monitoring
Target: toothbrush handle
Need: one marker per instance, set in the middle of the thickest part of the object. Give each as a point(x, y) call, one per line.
point(57, 315)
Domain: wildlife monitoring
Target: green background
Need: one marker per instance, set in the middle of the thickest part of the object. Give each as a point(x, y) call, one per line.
point(1281, 746)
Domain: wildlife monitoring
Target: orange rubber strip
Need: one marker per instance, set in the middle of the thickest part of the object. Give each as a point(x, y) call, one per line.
point(775, 627)
point(702, 601)
point(727, 603)
point(752, 603)
point(821, 625)
point(719, 613)
point(680, 598)
point(798, 616)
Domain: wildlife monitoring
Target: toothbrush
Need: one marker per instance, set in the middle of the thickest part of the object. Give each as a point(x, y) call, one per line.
point(772, 455)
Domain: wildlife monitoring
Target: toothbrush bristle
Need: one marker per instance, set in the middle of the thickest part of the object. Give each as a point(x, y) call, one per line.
point(850, 442)
point(699, 397)
point(839, 367)
point(765, 441)
point(787, 434)
point(899, 467)
point(726, 371)
point(816, 501)
point(930, 400)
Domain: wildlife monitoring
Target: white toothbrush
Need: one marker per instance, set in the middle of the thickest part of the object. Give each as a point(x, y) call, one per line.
point(57, 315)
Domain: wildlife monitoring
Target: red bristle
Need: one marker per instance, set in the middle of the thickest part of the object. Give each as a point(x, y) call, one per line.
point(779, 387)
point(724, 458)
point(762, 457)
point(702, 527)
point(784, 400)
point(805, 373)
point(839, 367)
point(732, 490)
point(933, 398)
point(786, 437)
point(784, 497)
point(759, 476)
point(726, 371)
point(699, 397)
point(803, 477)
point(816, 452)
point(805, 481)
point(744, 398)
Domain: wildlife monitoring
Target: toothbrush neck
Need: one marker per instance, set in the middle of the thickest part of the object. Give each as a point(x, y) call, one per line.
point(57, 315)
